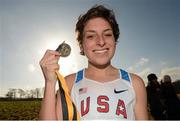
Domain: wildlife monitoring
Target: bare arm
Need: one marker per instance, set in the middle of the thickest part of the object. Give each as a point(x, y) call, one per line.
point(47, 111)
point(49, 64)
point(141, 98)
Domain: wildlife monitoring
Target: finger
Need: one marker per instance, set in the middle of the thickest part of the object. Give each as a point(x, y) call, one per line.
point(51, 52)
point(49, 56)
point(53, 67)
point(52, 61)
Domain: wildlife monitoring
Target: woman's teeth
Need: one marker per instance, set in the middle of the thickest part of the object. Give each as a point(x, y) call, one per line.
point(100, 51)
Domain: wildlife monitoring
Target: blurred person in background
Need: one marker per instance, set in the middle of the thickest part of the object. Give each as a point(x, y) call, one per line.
point(172, 103)
point(154, 96)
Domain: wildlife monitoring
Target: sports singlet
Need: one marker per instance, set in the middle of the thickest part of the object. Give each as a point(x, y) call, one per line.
point(113, 100)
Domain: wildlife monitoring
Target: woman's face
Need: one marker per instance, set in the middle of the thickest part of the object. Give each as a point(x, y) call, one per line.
point(98, 41)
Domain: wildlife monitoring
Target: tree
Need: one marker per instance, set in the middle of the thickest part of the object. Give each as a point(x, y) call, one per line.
point(33, 93)
point(21, 93)
point(37, 91)
point(11, 93)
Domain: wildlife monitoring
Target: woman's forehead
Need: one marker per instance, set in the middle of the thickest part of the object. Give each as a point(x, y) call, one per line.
point(97, 24)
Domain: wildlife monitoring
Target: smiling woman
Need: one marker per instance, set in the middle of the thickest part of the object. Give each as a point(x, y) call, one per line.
point(94, 88)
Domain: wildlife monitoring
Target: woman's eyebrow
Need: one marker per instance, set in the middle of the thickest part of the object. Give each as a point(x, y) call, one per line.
point(107, 30)
point(92, 31)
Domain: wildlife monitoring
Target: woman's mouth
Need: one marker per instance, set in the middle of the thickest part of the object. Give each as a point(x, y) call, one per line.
point(100, 51)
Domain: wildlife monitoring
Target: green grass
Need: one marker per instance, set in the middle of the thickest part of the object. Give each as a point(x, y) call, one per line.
point(19, 110)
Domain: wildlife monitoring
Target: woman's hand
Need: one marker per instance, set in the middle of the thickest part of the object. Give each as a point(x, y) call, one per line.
point(49, 64)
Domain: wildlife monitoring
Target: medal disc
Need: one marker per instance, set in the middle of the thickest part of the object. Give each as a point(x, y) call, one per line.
point(64, 49)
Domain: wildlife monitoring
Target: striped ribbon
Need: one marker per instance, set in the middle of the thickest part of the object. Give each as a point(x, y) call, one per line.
point(68, 108)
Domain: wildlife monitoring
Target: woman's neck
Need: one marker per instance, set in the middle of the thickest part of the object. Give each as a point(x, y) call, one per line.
point(101, 71)
point(102, 68)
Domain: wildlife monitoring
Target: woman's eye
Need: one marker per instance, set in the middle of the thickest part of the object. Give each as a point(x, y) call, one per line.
point(90, 36)
point(108, 35)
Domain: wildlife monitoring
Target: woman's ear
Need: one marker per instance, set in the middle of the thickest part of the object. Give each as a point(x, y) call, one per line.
point(81, 50)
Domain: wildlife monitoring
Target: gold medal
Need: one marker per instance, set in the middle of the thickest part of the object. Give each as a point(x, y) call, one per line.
point(64, 49)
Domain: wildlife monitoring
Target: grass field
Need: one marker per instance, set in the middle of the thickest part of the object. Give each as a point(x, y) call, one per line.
point(24, 110)
point(19, 110)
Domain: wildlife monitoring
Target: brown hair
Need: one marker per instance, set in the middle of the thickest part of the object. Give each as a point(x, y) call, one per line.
point(96, 11)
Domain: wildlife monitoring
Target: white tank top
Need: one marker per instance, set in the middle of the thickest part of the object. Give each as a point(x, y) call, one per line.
point(113, 100)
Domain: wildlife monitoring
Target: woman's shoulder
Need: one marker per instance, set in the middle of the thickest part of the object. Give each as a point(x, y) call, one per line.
point(70, 77)
point(70, 80)
point(136, 79)
point(137, 82)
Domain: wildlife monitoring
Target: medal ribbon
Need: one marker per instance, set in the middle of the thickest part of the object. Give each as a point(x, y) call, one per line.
point(68, 108)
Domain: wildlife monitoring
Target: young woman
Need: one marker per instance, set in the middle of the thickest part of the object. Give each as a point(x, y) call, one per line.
point(99, 91)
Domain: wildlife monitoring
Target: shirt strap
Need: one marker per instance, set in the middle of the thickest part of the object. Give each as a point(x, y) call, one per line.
point(79, 75)
point(124, 75)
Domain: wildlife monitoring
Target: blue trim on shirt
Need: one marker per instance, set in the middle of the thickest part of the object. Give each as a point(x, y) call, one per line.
point(125, 75)
point(79, 76)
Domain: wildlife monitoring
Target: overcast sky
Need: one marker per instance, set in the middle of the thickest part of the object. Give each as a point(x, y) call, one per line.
point(149, 39)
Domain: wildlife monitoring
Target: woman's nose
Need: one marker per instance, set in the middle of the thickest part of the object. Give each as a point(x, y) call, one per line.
point(100, 41)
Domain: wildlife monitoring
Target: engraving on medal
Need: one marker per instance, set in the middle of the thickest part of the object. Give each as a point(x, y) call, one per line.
point(64, 49)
